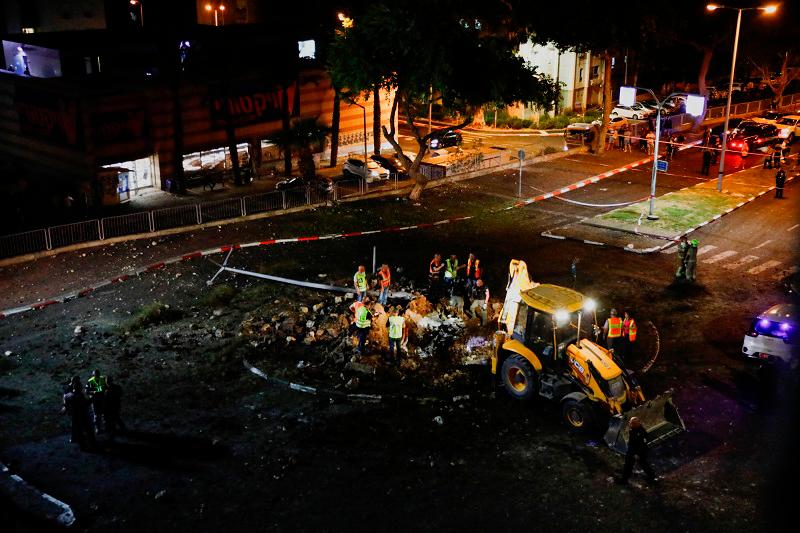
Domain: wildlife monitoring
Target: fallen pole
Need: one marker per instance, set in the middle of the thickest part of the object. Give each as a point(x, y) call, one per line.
point(298, 283)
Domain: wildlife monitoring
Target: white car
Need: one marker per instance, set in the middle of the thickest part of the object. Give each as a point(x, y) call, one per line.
point(636, 111)
point(788, 127)
point(774, 335)
point(369, 173)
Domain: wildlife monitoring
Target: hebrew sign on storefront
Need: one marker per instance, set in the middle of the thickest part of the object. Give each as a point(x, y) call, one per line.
point(249, 103)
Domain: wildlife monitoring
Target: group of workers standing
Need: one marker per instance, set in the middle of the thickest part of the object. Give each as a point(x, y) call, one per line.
point(687, 260)
point(93, 408)
point(619, 333)
point(445, 280)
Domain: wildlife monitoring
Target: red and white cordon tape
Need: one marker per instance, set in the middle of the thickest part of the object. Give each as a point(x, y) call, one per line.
point(224, 249)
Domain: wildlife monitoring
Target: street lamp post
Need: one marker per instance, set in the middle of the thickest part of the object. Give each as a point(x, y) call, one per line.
point(218, 9)
point(141, 13)
point(364, 109)
point(769, 10)
point(627, 97)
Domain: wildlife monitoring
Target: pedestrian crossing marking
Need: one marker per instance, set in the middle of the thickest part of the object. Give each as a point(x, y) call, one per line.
point(720, 257)
point(741, 262)
point(763, 266)
point(705, 249)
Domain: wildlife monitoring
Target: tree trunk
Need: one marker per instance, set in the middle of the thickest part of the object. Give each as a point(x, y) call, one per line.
point(608, 88)
point(708, 53)
point(230, 132)
point(337, 103)
point(287, 150)
point(376, 120)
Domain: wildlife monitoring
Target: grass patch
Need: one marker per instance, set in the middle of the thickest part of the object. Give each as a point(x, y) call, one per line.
point(219, 296)
point(153, 314)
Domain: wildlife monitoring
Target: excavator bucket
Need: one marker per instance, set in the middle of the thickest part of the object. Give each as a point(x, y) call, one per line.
point(659, 417)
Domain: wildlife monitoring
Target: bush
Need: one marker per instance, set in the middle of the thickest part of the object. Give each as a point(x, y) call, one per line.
point(550, 150)
point(154, 313)
point(219, 296)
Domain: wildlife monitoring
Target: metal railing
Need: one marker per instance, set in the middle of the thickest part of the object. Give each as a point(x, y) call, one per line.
point(193, 214)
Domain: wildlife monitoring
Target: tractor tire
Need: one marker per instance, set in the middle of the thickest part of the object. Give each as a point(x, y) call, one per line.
point(519, 378)
point(578, 414)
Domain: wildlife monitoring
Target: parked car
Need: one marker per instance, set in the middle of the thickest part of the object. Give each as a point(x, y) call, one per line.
point(749, 136)
point(443, 140)
point(614, 122)
point(732, 124)
point(635, 111)
point(773, 335)
point(390, 163)
point(788, 127)
point(371, 171)
point(737, 86)
point(321, 184)
point(577, 132)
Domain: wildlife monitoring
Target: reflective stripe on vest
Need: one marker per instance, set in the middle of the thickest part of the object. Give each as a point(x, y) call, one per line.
point(386, 278)
point(614, 327)
point(396, 324)
point(361, 281)
point(362, 320)
point(629, 329)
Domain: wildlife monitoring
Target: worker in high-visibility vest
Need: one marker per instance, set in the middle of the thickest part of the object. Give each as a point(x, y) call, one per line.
point(451, 269)
point(398, 333)
point(360, 283)
point(629, 331)
point(385, 278)
point(612, 329)
point(96, 390)
point(363, 322)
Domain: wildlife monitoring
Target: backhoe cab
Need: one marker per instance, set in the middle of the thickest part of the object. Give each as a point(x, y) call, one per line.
point(539, 351)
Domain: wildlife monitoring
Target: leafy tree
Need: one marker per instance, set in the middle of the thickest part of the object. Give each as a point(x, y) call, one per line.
point(305, 137)
point(463, 50)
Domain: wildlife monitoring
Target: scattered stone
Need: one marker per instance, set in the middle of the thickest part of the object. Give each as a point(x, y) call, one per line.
point(318, 306)
point(8, 353)
point(309, 324)
point(79, 330)
point(337, 300)
point(360, 368)
point(160, 494)
point(290, 339)
point(217, 312)
point(439, 420)
point(349, 296)
point(304, 310)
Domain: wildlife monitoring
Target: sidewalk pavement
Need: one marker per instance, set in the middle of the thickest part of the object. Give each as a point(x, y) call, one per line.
point(679, 213)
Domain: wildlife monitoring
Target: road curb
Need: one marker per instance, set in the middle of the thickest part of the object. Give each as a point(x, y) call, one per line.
point(33, 501)
point(670, 240)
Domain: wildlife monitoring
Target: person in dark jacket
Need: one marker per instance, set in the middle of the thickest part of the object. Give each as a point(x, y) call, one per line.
point(113, 406)
point(780, 182)
point(637, 447)
point(706, 162)
point(76, 406)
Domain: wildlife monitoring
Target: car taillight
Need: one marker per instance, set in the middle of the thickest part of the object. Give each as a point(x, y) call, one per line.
point(759, 140)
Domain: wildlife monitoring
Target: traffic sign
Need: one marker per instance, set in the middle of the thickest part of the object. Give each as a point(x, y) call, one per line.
point(662, 165)
point(521, 155)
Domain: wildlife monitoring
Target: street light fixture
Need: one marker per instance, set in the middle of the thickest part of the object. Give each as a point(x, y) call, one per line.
point(141, 13)
point(627, 97)
point(346, 21)
point(767, 9)
point(217, 9)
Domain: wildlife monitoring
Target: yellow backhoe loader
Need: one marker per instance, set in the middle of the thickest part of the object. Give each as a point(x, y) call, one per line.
point(538, 351)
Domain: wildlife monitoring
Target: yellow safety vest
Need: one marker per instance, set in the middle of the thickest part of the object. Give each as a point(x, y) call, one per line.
point(396, 324)
point(629, 327)
point(361, 281)
point(362, 320)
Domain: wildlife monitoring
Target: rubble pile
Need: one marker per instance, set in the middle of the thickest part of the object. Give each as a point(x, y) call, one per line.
point(318, 338)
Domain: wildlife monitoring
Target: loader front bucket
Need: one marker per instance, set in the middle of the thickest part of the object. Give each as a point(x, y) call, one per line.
point(659, 417)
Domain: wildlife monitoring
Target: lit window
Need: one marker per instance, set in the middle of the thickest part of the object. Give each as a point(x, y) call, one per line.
point(27, 30)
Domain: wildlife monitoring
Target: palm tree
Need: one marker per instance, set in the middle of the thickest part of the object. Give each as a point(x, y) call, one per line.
point(306, 137)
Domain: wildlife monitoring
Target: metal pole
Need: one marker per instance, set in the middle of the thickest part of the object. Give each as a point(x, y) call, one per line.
point(651, 215)
point(728, 104)
point(430, 108)
point(366, 167)
point(519, 181)
point(374, 257)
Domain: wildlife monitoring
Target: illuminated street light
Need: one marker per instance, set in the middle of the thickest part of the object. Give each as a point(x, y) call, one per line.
point(217, 9)
point(135, 3)
point(769, 10)
point(346, 21)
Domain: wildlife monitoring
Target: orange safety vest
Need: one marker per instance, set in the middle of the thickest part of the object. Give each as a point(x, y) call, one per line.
point(386, 278)
point(614, 327)
point(629, 329)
